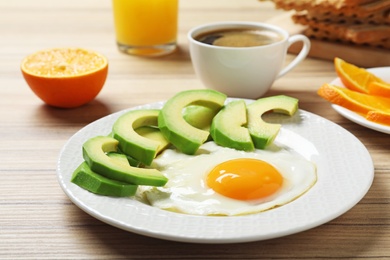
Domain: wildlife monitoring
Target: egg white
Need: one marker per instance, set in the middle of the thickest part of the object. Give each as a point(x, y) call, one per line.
point(187, 192)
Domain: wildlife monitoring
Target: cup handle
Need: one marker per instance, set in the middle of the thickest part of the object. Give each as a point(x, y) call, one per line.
point(302, 54)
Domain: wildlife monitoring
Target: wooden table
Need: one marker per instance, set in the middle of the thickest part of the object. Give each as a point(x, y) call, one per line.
point(38, 221)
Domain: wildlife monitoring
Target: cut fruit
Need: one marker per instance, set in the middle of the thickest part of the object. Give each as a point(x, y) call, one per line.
point(352, 100)
point(95, 154)
point(133, 162)
point(353, 77)
point(154, 133)
point(227, 128)
point(264, 133)
point(84, 177)
point(199, 116)
point(141, 148)
point(379, 89)
point(176, 130)
point(65, 77)
point(379, 117)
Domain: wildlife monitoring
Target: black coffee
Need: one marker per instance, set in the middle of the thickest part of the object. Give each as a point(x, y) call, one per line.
point(239, 37)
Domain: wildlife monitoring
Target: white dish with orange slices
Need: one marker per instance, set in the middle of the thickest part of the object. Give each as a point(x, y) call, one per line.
point(339, 187)
point(381, 72)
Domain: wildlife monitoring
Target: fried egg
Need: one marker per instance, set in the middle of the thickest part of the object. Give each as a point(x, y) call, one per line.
point(226, 182)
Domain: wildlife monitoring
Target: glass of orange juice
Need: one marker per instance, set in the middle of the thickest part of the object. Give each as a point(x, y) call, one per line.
point(146, 27)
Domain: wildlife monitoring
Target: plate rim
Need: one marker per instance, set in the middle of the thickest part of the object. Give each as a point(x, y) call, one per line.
point(205, 238)
point(355, 117)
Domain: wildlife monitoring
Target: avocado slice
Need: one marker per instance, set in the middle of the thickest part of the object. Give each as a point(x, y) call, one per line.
point(153, 133)
point(84, 177)
point(228, 127)
point(140, 147)
point(264, 133)
point(173, 126)
point(95, 152)
point(133, 162)
point(199, 116)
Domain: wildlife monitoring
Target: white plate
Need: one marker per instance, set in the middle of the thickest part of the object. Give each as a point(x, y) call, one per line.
point(384, 73)
point(345, 174)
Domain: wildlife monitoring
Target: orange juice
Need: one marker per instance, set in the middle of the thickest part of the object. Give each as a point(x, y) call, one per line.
point(145, 26)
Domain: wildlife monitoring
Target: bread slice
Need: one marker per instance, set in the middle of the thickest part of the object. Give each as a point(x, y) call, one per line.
point(360, 22)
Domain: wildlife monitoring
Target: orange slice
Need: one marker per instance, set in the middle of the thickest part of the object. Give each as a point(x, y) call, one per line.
point(355, 101)
point(379, 117)
point(353, 77)
point(65, 77)
point(379, 89)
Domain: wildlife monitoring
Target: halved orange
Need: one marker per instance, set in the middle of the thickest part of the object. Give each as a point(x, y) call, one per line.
point(379, 89)
point(353, 77)
point(352, 100)
point(65, 77)
point(379, 117)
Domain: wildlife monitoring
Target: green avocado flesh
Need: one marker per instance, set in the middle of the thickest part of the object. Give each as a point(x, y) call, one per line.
point(135, 143)
point(199, 116)
point(264, 133)
point(176, 129)
point(84, 177)
point(95, 154)
point(227, 128)
point(155, 134)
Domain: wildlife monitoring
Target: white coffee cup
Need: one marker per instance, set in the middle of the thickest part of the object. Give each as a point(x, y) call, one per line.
point(245, 72)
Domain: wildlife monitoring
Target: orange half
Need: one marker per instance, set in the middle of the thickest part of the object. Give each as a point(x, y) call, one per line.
point(353, 77)
point(65, 77)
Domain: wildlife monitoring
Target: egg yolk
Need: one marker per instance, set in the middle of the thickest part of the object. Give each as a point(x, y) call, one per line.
point(244, 179)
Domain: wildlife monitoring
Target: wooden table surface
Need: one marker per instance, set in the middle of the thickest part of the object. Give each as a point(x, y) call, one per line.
point(38, 221)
